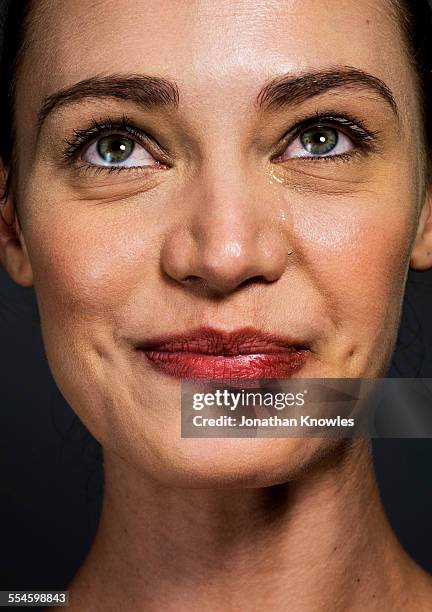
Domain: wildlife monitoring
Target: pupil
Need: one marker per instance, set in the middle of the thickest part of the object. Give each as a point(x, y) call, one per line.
point(319, 141)
point(115, 148)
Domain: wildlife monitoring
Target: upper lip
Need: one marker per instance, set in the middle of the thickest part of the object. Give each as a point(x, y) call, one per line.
point(210, 341)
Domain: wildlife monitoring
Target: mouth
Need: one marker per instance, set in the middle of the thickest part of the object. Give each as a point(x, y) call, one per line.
point(209, 353)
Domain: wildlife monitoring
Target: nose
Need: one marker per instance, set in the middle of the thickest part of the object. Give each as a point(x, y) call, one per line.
point(229, 236)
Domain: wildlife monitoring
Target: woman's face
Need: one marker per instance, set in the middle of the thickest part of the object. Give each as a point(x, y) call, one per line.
point(274, 183)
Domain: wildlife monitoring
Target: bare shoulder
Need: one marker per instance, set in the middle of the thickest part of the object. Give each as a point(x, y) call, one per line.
point(421, 599)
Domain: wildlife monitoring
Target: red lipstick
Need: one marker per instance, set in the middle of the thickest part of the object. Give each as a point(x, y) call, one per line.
point(208, 353)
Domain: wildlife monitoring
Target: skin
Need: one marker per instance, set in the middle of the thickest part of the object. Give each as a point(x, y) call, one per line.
point(109, 255)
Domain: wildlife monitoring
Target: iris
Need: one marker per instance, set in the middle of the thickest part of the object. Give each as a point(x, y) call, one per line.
point(115, 148)
point(319, 140)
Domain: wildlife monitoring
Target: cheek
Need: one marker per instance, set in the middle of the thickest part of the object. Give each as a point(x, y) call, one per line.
point(87, 268)
point(88, 264)
point(366, 248)
point(355, 251)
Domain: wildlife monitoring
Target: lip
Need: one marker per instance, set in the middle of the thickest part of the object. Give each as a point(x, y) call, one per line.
point(210, 353)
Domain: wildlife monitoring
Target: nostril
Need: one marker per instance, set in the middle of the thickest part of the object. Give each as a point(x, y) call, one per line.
point(198, 284)
point(191, 279)
point(258, 279)
point(220, 288)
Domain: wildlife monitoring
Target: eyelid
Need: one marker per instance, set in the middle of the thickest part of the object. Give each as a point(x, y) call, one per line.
point(352, 127)
point(138, 156)
point(82, 139)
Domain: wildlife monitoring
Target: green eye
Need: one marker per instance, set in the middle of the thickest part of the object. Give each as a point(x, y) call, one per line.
point(319, 140)
point(115, 148)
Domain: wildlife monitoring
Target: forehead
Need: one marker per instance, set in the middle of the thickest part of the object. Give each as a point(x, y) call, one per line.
point(228, 45)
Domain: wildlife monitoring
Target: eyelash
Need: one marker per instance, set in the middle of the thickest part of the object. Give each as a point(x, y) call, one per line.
point(97, 129)
point(363, 139)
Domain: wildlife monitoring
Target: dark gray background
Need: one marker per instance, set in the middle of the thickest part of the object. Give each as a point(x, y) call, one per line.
point(50, 466)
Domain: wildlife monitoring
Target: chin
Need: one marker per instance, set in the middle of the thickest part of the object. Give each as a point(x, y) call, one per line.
point(236, 462)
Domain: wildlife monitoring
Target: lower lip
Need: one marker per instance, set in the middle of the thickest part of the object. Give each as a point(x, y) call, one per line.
point(199, 365)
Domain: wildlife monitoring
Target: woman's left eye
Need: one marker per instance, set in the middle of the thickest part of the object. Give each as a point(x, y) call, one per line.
point(319, 141)
point(117, 150)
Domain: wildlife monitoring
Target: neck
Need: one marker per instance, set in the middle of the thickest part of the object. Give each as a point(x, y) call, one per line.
point(319, 543)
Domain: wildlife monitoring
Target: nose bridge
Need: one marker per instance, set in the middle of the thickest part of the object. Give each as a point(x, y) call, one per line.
point(231, 235)
point(226, 209)
point(228, 223)
point(226, 167)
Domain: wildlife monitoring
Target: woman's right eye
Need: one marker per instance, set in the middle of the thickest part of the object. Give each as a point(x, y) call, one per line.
point(117, 151)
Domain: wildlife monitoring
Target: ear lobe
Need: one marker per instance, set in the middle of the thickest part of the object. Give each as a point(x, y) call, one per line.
point(13, 251)
point(421, 254)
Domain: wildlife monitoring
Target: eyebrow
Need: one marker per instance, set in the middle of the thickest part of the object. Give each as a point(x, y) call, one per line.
point(288, 90)
point(154, 91)
point(146, 91)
